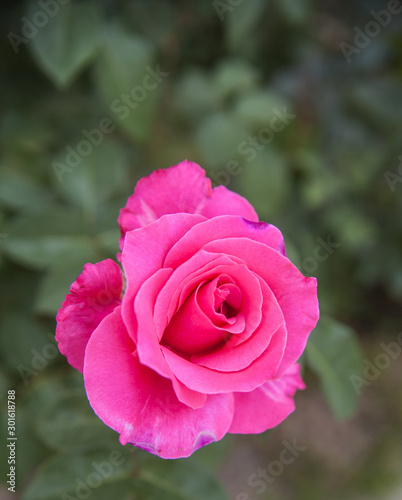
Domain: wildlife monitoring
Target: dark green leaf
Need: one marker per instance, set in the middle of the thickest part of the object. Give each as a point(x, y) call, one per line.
point(333, 352)
point(68, 424)
point(177, 480)
point(265, 180)
point(99, 176)
point(102, 473)
point(22, 341)
point(241, 21)
point(218, 138)
point(295, 13)
point(67, 40)
point(234, 76)
point(256, 109)
point(125, 71)
point(17, 191)
point(48, 237)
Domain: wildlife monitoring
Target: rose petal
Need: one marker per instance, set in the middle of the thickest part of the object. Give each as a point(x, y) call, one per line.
point(142, 406)
point(182, 188)
point(94, 295)
point(192, 330)
point(226, 202)
point(296, 294)
point(148, 348)
point(207, 381)
point(268, 405)
point(219, 228)
point(238, 356)
point(144, 253)
point(198, 268)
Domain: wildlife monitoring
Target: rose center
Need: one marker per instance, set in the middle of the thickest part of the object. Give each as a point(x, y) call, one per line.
point(207, 318)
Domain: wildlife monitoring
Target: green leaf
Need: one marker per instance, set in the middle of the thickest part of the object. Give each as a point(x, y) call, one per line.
point(234, 76)
point(218, 138)
point(125, 70)
point(17, 191)
point(256, 109)
point(182, 479)
point(29, 450)
point(196, 95)
point(333, 352)
point(265, 180)
point(103, 473)
point(295, 13)
point(45, 389)
point(22, 340)
point(213, 455)
point(378, 102)
point(69, 425)
point(48, 237)
point(242, 21)
point(67, 41)
point(99, 176)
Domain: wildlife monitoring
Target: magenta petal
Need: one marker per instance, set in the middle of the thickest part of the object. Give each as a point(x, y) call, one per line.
point(178, 189)
point(207, 381)
point(182, 188)
point(200, 267)
point(239, 356)
point(296, 294)
point(219, 228)
point(142, 406)
point(226, 202)
point(144, 253)
point(191, 330)
point(94, 295)
point(148, 348)
point(268, 405)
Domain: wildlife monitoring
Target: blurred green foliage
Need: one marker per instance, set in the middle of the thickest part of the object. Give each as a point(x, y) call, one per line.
point(94, 95)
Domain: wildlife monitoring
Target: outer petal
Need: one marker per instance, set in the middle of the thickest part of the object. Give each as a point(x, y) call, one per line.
point(226, 202)
point(182, 188)
point(220, 228)
point(144, 252)
point(93, 296)
point(142, 406)
point(268, 405)
point(296, 294)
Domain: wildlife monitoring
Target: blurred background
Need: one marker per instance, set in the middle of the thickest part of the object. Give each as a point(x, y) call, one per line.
point(296, 105)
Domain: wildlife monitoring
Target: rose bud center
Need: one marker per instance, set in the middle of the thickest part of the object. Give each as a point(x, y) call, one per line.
point(207, 318)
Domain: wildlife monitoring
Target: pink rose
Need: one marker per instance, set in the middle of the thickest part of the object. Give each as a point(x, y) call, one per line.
point(205, 336)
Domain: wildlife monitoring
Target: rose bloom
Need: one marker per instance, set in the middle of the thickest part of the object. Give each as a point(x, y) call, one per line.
point(199, 333)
